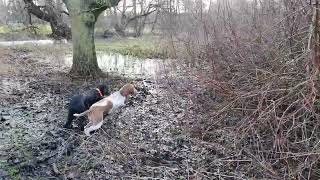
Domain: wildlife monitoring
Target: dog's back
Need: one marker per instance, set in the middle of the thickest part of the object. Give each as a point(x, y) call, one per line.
point(82, 102)
point(115, 98)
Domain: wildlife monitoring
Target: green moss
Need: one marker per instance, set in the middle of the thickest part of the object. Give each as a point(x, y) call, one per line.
point(12, 171)
point(44, 29)
point(138, 47)
point(5, 29)
point(25, 157)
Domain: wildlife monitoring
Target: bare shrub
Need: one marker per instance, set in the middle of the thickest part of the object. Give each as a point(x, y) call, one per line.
point(261, 58)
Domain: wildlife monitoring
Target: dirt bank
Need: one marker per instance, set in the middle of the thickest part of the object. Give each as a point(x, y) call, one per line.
point(136, 141)
point(147, 138)
point(34, 99)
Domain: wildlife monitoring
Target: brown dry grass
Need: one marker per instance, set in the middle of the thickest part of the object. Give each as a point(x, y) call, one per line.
point(268, 86)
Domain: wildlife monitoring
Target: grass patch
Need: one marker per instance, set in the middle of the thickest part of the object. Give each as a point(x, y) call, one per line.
point(5, 29)
point(12, 171)
point(39, 29)
point(42, 49)
point(44, 29)
point(99, 30)
point(142, 48)
point(138, 47)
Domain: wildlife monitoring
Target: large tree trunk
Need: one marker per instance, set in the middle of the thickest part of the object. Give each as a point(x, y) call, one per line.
point(60, 30)
point(84, 14)
point(127, 18)
point(84, 53)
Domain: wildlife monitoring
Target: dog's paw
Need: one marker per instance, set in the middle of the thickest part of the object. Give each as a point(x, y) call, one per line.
point(68, 126)
point(87, 133)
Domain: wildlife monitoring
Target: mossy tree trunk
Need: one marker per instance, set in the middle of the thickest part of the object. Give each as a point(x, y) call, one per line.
point(84, 54)
point(84, 14)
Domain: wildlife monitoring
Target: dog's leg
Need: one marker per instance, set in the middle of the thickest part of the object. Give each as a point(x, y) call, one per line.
point(91, 126)
point(81, 123)
point(87, 128)
point(68, 124)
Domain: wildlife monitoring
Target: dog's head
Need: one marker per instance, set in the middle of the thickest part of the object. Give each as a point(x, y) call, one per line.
point(104, 89)
point(127, 90)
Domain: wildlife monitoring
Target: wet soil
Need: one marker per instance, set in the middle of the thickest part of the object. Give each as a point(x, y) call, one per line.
point(143, 140)
point(33, 108)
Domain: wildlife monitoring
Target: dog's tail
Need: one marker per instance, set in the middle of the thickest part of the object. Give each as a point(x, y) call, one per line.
point(82, 114)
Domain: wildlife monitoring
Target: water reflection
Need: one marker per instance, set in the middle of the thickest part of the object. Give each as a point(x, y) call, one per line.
point(108, 62)
point(34, 42)
point(124, 65)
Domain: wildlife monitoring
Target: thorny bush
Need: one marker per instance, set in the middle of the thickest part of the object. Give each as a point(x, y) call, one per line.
point(261, 66)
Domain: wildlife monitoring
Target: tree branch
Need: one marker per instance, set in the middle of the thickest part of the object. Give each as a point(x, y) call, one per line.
point(36, 10)
point(141, 15)
point(65, 12)
point(99, 7)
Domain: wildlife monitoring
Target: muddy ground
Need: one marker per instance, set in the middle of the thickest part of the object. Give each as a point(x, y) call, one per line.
point(146, 139)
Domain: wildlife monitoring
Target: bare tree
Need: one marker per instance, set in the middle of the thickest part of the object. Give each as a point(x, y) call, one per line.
point(50, 13)
point(120, 25)
point(135, 13)
point(3, 12)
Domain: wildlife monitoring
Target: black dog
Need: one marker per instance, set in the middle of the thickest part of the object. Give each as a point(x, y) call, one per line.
point(82, 102)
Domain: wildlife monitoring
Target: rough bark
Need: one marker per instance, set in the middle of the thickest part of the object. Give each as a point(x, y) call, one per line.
point(84, 54)
point(84, 14)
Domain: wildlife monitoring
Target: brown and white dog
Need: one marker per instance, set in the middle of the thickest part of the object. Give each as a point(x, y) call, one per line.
point(105, 106)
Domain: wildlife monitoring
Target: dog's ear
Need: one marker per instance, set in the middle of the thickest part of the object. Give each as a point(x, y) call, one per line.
point(104, 89)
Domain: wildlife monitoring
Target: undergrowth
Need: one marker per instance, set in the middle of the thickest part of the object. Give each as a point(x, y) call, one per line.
point(39, 29)
point(138, 47)
point(12, 171)
point(9, 33)
point(269, 83)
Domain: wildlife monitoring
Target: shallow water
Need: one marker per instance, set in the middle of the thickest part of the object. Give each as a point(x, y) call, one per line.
point(34, 42)
point(112, 63)
point(124, 65)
